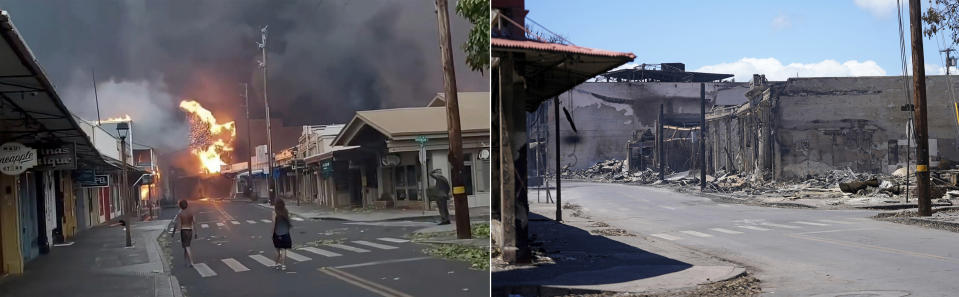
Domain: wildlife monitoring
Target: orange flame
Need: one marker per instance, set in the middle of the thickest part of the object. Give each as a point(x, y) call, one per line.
point(209, 138)
point(124, 118)
point(144, 192)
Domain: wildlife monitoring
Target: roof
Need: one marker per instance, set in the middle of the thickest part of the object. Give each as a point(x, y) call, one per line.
point(408, 122)
point(31, 98)
point(557, 47)
point(633, 74)
point(549, 69)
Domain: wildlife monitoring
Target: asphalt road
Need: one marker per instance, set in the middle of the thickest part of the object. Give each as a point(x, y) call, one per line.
point(794, 252)
point(234, 250)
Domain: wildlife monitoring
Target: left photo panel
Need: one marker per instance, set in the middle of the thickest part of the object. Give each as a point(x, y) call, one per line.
point(205, 148)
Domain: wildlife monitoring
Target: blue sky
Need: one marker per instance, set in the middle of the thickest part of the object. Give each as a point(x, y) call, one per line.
point(778, 38)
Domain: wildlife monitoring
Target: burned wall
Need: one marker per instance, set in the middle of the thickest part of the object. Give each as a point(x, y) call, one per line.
point(814, 125)
point(608, 114)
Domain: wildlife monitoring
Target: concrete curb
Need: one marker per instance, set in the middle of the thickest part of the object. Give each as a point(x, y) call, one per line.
point(940, 225)
point(169, 280)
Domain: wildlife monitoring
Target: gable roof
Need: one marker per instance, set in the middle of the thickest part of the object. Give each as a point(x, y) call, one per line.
point(413, 121)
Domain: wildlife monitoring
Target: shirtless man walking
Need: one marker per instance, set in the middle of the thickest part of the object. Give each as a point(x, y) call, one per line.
point(185, 221)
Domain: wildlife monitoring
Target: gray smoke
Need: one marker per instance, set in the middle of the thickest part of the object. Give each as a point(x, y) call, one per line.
point(327, 59)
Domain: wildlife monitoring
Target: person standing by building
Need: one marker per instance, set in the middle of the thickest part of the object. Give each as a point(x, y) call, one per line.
point(281, 233)
point(184, 221)
point(440, 193)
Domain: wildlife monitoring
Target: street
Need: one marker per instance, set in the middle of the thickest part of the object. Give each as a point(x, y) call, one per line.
point(793, 252)
point(234, 255)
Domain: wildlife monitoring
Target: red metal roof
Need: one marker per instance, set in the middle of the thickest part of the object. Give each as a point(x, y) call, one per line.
point(556, 47)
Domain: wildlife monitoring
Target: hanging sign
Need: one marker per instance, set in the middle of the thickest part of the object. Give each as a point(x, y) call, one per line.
point(61, 157)
point(98, 181)
point(15, 158)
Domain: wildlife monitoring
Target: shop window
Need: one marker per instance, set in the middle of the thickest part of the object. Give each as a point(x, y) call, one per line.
point(406, 182)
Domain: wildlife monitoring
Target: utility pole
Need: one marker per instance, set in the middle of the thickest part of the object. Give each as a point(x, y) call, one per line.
point(702, 137)
point(453, 120)
point(922, 133)
point(949, 62)
point(249, 145)
point(271, 183)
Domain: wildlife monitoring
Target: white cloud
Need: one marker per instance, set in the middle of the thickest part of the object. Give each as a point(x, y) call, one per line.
point(775, 70)
point(781, 22)
point(878, 8)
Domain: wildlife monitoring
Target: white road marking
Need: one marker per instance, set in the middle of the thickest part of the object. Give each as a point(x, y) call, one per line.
point(383, 262)
point(251, 221)
point(297, 257)
point(754, 228)
point(666, 236)
point(697, 234)
point(204, 225)
point(235, 222)
point(376, 245)
point(349, 248)
point(320, 252)
point(396, 240)
point(668, 207)
point(234, 264)
point(780, 225)
point(298, 219)
point(724, 205)
point(266, 221)
point(810, 223)
point(835, 222)
point(263, 260)
point(727, 231)
point(220, 224)
point(204, 270)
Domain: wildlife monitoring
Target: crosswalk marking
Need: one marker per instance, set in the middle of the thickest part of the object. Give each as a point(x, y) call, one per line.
point(724, 205)
point(219, 224)
point(753, 228)
point(266, 221)
point(697, 234)
point(251, 221)
point(297, 257)
point(666, 236)
point(396, 240)
point(204, 270)
point(376, 245)
point(668, 207)
point(234, 264)
point(235, 222)
point(835, 222)
point(781, 225)
point(263, 260)
point(204, 225)
point(320, 252)
point(349, 248)
point(298, 219)
point(810, 223)
point(727, 231)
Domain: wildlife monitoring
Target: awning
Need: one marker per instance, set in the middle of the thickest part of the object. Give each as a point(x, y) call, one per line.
point(32, 112)
point(550, 69)
point(330, 154)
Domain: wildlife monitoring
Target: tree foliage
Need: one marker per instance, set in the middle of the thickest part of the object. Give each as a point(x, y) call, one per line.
point(477, 45)
point(942, 16)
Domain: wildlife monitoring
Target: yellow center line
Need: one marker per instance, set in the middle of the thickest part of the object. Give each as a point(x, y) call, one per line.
point(363, 283)
point(874, 247)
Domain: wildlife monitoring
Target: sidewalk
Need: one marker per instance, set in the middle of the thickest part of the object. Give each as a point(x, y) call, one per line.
point(310, 211)
point(98, 264)
point(581, 256)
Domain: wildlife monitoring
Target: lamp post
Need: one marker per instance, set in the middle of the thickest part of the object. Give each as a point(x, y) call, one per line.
point(123, 129)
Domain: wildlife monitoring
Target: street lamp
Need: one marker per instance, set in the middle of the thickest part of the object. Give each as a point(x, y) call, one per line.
point(123, 129)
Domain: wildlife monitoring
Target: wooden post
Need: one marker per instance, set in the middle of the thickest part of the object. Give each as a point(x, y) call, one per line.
point(453, 124)
point(559, 170)
point(507, 187)
point(922, 133)
point(659, 145)
point(702, 137)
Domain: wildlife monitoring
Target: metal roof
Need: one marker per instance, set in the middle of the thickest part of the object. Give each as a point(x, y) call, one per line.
point(31, 111)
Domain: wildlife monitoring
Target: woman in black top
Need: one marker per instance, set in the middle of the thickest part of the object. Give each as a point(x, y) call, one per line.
point(281, 233)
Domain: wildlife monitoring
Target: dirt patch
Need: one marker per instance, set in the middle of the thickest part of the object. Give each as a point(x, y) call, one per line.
point(598, 225)
point(576, 210)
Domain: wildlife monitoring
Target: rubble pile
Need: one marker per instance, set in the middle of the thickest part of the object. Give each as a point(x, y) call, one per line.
point(612, 171)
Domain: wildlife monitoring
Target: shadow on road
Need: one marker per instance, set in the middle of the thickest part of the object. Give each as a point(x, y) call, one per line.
point(583, 259)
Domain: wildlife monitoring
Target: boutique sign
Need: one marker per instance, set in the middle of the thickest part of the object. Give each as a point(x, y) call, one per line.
point(15, 158)
point(61, 157)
